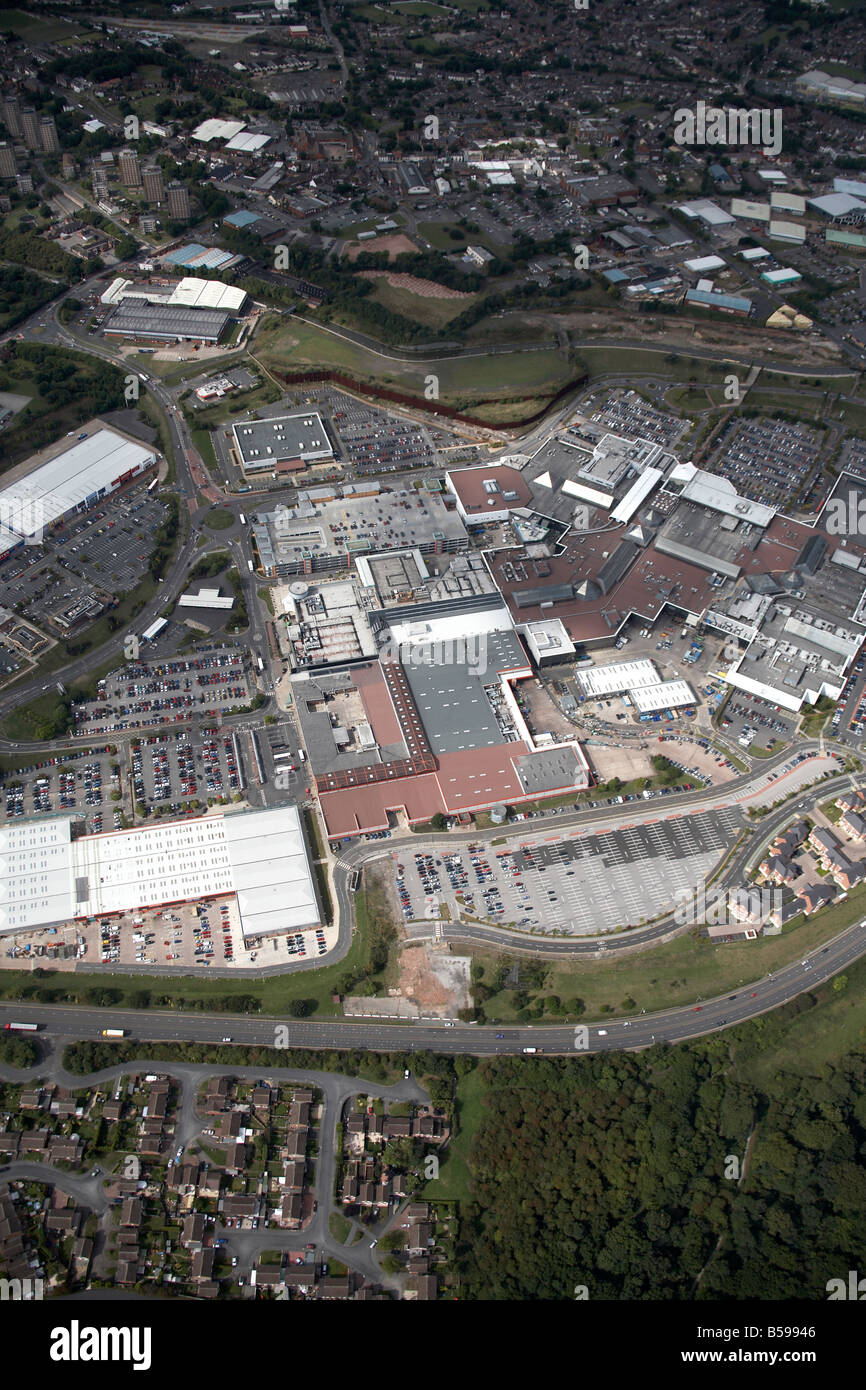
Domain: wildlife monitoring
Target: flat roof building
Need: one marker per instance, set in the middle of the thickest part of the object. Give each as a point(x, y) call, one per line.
point(444, 731)
point(726, 303)
point(133, 319)
point(262, 444)
point(261, 856)
point(206, 598)
point(216, 129)
point(837, 204)
point(156, 627)
point(785, 275)
point(548, 642)
point(488, 494)
point(71, 481)
point(706, 211)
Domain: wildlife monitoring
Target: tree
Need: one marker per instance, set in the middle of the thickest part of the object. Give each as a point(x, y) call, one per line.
point(302, 1008)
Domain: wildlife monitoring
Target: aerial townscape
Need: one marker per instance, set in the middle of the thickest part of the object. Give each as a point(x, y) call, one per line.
point(433, 842)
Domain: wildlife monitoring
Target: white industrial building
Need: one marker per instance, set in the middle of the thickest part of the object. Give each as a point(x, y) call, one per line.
point(156, 627)
point(72, 481)
point(750, 209)
point(248, 142)
point(785, 275)
point(409, 632)
point(640, 681)
point(260, 856)
point(837, 204)
point(701, 264)
point(706, 211)
point(218, 387)
point(215, 129)
point(648, 699)
point(788, 202)
point(596, 682)
point(854, 186)
point(786, 231)
point(206, 598)
point(188, 293)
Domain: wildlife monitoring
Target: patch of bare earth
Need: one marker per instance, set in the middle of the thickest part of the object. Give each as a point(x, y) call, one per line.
point(427, 289)
point(416, 980)
point(395, 246)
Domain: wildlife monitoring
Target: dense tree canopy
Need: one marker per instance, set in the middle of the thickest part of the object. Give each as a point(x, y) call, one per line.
point(619, 1172)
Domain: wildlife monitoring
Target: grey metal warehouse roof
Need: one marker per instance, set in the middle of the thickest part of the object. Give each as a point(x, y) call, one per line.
point(454, 709)
point(156, 321)
point(451, 701)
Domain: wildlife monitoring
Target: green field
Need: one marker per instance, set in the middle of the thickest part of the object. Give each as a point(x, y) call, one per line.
point(202, 441)
point(21, 724)
point(421, 8)
point(347, 231)
point(239, 402)
point(843, 70)
point(674, 974)
point(845, 383)
point(437, 233)
point(655, 362)
point(694, 400)
point(434, 313)
point(810, 407)
point(492, 381)
point(853, 416)
point(339, 1227)
point(454, 1175)
point(35, 29)
point(173, 372)
point(41, 422)
point(814, 1039)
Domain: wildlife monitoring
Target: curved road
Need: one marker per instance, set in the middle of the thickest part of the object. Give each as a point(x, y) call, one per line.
point(361, 852)
point(71, 1023)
